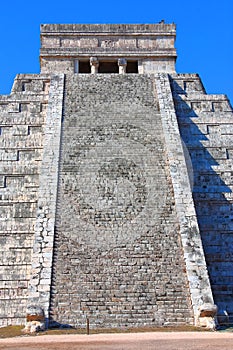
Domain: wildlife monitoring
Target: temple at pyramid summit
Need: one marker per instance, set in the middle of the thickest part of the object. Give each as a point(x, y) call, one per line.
point(116, 179)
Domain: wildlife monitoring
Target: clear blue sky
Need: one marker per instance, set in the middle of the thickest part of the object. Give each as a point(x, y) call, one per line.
point(204, 33)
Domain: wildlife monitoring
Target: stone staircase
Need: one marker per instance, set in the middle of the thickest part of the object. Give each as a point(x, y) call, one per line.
point(118, 259)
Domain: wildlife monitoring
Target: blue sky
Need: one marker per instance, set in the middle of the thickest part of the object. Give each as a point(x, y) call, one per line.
point(204, 33)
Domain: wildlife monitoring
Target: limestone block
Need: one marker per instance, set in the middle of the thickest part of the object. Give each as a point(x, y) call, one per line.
point(147, 43)
point(157, 65)
point(21, 130)
point(3, 107)
point(50, 41)
point(126, 43)
point(24, 107)
point(13, 107)
point(57, 66)
point(2, 181)
point(6, 154)
point(221, 106)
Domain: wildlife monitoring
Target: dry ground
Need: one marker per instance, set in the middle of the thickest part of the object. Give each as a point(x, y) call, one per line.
point(123, 341)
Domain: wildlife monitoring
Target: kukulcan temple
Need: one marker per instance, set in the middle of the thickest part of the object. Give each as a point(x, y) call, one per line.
point(116, 180)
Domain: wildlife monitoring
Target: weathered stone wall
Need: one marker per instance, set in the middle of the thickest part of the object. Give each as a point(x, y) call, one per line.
point(118, 257)
point(22, 115)
point(206, 126)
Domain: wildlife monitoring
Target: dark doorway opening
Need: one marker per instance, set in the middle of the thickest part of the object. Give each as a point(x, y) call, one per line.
point(132, 67)
point(84, 67)
point(108, 67)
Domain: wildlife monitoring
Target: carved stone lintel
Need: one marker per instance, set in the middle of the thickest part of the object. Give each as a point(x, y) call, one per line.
point(122, 63)
point(94, 62)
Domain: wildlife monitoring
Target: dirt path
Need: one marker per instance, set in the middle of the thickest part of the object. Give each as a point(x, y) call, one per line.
point(129, 341)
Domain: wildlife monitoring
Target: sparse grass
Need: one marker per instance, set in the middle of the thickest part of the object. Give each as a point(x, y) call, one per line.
point(16, 331)
point(11, 331)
